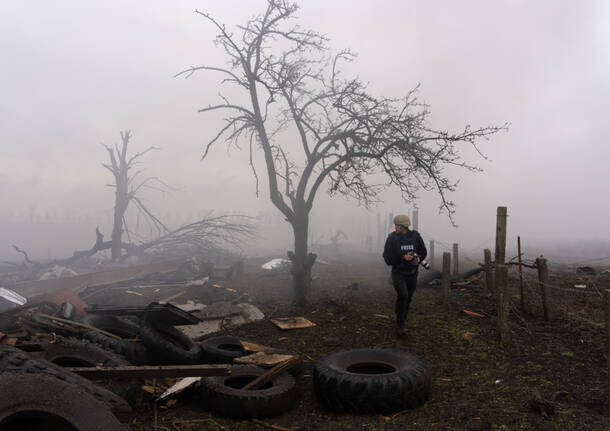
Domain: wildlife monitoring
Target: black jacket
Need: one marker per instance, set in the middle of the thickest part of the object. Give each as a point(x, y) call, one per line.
point(397, 245)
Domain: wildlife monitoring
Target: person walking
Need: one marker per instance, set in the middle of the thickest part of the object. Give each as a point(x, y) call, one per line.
point(404, 249)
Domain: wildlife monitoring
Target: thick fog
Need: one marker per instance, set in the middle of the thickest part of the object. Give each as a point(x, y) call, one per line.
point(76, 73)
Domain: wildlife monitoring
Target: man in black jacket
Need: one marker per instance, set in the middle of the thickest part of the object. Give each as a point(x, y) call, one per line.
point(403, 250)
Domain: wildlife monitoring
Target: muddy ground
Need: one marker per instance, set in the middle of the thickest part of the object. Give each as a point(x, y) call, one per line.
point(477, 383)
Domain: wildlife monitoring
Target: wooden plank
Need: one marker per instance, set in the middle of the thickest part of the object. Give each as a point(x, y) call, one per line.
point(146, 371)
point(292, 322)
point(260, 381)
point(263, 359)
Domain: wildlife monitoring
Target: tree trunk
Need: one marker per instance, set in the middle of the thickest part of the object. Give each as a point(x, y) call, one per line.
point(302, 261)
point(120, 206)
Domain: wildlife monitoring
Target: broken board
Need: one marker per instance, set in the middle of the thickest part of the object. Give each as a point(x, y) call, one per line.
point(292, 322)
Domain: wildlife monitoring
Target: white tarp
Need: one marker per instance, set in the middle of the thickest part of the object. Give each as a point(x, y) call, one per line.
point(276, 263)
point(11, 296)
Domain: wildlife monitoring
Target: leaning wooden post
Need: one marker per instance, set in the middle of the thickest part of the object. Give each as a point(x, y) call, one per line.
point(455, 260)
point(543, 282)
point(520, 273)
point(446, 275)
point(502, 302)
point(431, 253)
point(500, 235)
point(607, 316)
point(489, 272)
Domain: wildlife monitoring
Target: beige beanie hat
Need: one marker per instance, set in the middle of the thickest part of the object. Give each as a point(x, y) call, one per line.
point(402, 220)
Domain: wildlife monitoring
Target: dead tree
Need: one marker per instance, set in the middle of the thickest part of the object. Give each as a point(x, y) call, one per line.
point(127, 186)
point(344, 135)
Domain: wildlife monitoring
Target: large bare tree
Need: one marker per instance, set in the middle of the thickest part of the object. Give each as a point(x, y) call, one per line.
point(316, 127)
point(126, 186)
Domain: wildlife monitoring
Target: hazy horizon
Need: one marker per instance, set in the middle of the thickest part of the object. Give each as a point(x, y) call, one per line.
point(78, 73)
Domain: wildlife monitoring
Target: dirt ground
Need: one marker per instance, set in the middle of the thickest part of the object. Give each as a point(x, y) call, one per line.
point(477, 383)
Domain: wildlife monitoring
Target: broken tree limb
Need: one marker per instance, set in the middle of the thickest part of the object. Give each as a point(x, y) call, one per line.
point(27, 258)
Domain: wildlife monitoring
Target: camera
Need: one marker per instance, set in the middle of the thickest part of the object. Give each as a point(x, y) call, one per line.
point(422, 262)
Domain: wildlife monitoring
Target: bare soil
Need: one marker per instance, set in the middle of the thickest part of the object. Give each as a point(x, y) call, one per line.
point(478, 384)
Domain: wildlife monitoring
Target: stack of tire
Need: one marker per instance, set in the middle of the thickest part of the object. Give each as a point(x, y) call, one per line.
point(162, 343)
point(39, 395)
point(224, 395)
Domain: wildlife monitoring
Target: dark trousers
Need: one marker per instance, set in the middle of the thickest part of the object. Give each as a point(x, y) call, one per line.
point(404, 285)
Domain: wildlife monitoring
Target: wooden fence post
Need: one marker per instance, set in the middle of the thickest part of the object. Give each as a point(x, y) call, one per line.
point(500, 235)
point(446, 275)
point(520, 273)
point(455, 260)
point(543, 282)
point(502, 302)
point(431, 253)
point(489, 272)
point(607, 316)
point(415, 219)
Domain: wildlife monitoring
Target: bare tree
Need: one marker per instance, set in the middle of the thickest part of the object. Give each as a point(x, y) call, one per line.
point(314, 127)
point(127, 186)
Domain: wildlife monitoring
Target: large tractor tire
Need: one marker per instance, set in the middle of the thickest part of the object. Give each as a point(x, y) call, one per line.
point(40, 402)
point(371, 381)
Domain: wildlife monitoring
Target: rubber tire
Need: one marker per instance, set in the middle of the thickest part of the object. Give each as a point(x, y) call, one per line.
point(14, 360)
point(212, 352)
point(133, 351)
point(222, 349)
point(371, 392)
point(169, 344)
point(35, 396)
point(225, 400)
point(72, 352)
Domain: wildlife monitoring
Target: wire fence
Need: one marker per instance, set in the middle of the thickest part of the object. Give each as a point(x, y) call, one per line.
point(583, 303)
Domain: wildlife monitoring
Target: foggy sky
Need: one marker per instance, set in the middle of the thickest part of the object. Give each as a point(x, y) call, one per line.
point(76, 73)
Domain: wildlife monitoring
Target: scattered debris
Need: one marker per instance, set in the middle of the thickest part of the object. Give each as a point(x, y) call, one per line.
point(468, 336)
point(472, 313)
point(278, 369)
point(540, 405)
point(270, 426)
point(275, 264)
point(179, 387)
point(580, 286)
point(292, 322)
point(383, 316)
point(58, 271)
point(12, 296)
point(218, 310)
point(585, 270)
point(263, 359)
point(199, 282)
